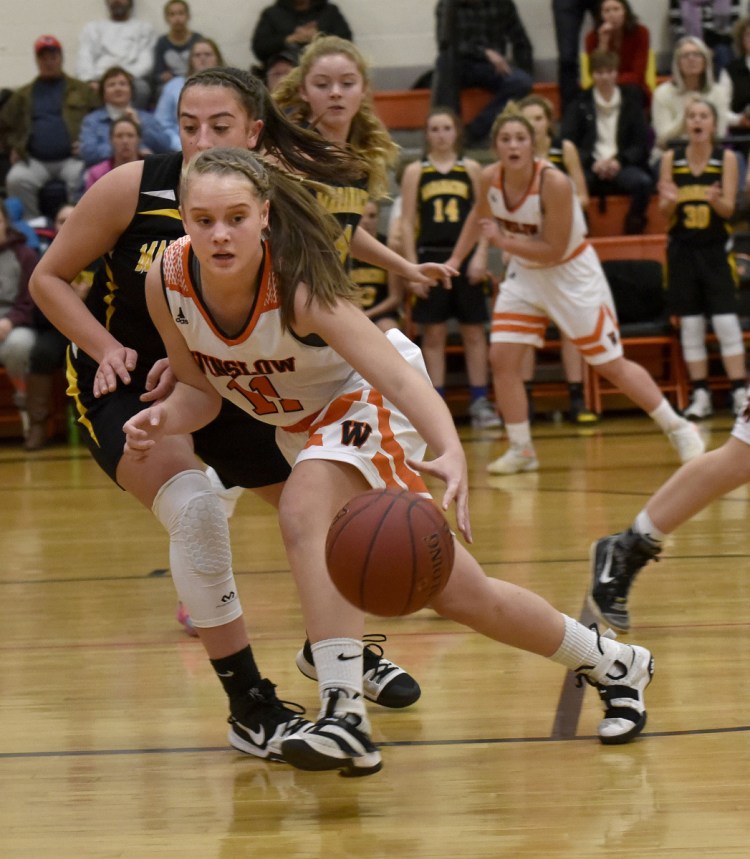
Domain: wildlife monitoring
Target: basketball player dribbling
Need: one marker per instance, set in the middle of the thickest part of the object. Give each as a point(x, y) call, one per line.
point(256, 285)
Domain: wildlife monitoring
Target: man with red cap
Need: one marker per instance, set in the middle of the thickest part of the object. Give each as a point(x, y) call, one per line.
point(40, 123)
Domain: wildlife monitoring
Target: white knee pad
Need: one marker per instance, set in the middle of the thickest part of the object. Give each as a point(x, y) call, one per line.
point(729, 334)
point(199, 552)
point(693, 338)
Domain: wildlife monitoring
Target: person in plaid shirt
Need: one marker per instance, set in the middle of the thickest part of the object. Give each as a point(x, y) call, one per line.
point(482, 43)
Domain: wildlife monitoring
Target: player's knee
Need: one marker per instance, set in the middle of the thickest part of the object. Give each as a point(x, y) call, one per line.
point(693, 338)
point(729, 334)
point(190, 510)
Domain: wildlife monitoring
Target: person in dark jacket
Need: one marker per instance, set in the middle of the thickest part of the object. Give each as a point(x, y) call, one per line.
point(290, 25)
point(481, 43)
point(608, 125)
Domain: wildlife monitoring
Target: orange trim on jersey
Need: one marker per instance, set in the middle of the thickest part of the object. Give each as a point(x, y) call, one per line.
point(520, 323)
point(591, 343)
point(265, 299)
point(534, 185)
point(576, 253)
point(391, 465)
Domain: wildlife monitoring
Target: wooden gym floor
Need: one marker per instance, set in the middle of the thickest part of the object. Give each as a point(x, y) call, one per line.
point(113, 725)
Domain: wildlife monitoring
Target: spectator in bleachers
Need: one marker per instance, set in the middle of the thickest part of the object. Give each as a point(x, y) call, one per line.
point(569, 16)
point(697, 190)
point(608, 125)
point(125, 139)
point(172, 51)
point(278, 67)
point(711, 21)
point(120, 40)
point(47, 356)
point(41, 122)
point(482, 43)
point(738, 72)
point(692, 75)
point(17, 335)
point(204, 54)
point(117, 93)
point(292, 24)
point(616, 29)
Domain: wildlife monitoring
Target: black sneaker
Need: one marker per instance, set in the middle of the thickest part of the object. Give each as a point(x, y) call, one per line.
point(339, 740)
point(615, 561)
point(383, 682)
point(578, 413)
point(620, 676)
point(260, 721)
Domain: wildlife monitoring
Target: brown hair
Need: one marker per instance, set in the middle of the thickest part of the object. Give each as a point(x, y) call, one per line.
point(510, 114)
point(302, 233)
point(298, 149)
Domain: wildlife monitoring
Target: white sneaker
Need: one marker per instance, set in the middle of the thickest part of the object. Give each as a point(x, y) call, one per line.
point(483, 414)
point(620, 676)
point(700, 405)
point(228, 497)
point(739, 401)
point(514, 460)
point(687, 441)
point(338, 740)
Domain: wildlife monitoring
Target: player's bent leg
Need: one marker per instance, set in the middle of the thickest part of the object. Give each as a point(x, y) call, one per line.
point(520, 618)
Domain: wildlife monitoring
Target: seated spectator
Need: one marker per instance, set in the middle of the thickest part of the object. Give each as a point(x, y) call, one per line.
point(608, 125)
point(121, 40)
point(692, 75)
point(204, 54)
point(172, 51)
point(48, 355)
point(474, 37)
point(41, 122)
point(117, 93)
point(125, 139)
point(738, 72)
point(711, 21)
point(569, 15)
point(278, 67)
point(292, 24)
point(616, 29)
point(17, 334)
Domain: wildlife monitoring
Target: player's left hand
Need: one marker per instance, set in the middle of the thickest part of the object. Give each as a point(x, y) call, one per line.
point(451, 469)
point(491, 231)
point(144, 429)
point(160, 382)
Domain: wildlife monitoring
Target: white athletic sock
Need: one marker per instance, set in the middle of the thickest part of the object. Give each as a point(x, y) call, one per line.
point(519, 435)
point(338, 662)
point(646, 528)
point(666, 417)
point(579, 646)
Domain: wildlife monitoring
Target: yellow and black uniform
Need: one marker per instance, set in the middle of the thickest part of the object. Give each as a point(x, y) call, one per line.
point(372, 285)
point(444, 201)
point(346, 203)
point(701, 279)
point(242, 451)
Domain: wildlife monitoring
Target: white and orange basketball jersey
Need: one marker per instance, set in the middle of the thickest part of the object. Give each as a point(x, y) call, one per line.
point(525, 219)
point(264, 369)
point(321, 406)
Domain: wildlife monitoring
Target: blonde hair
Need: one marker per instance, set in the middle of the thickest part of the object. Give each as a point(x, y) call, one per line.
point(302, 234)
point(368, 137)
point(511, 113)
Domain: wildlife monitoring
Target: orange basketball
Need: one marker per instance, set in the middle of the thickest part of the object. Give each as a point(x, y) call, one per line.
point(389, 552)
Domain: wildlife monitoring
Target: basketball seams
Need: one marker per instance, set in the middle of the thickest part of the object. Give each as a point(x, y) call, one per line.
point(373, 541)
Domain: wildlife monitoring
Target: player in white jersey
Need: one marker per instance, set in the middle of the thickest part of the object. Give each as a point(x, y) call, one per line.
point(256, 296)
point(553, 274)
